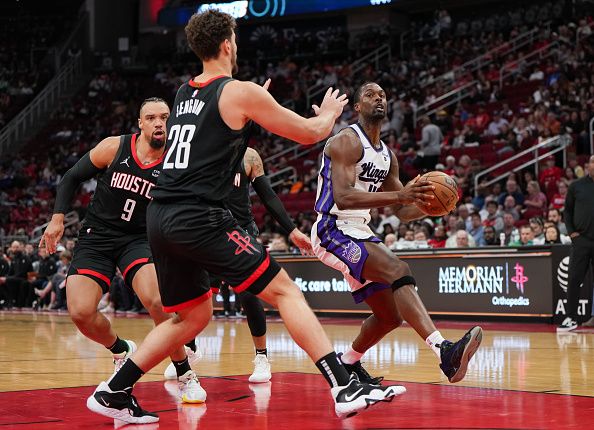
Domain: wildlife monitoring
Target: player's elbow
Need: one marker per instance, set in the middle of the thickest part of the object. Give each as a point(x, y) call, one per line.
point(342, 201)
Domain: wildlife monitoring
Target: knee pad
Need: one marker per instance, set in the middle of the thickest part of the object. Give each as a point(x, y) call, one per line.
point(405, 280)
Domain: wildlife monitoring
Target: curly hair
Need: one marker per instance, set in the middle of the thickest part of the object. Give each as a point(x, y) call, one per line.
point(207, 30)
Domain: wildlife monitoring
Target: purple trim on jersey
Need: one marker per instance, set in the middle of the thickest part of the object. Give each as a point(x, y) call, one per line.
point(349, 250)
point(368, 290)
point(326, 200)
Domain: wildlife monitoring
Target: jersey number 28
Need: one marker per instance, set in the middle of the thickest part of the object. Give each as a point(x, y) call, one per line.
point(180, 148)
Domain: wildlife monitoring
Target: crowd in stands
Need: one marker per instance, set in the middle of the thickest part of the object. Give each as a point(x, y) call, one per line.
point(25, 54)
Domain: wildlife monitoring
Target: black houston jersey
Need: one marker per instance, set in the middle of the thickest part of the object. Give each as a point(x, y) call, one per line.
point(239, 202)
point(122, 193)
point(203, 153)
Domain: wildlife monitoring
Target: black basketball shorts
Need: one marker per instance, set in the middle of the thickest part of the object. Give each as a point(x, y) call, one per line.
point(190, 240)
point(100, 250)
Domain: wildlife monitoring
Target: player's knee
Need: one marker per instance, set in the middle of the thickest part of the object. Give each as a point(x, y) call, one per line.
point(398, 269)
point(155, 309)
point(79, 314)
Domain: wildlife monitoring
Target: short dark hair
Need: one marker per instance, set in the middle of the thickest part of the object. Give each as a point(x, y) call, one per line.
point(359, 92)
point(151, 100)
point(207, 30)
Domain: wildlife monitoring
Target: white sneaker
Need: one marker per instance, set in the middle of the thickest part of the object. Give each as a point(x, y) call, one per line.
point(193, 357)
point(109, 309)
point(120, 359)
point(356, 396)
point(190, 390)
point(568, 324)
point(261, 369)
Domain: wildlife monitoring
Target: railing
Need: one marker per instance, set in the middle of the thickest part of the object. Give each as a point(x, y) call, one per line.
point(70, 219)
point(374, 56)
point(485, 59)
point(443, 101)
point(527, 60)
point(46, 100)
point(557, 143)
point(458, 94)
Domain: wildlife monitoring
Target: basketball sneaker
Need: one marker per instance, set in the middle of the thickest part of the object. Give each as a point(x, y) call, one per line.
point(261, 369)
point(120, 359)
point(190, 390)
point(568, 324)
point(356, 396)
point(120, 405)
point(363, 375)
point(193, 357)
point(455, 356)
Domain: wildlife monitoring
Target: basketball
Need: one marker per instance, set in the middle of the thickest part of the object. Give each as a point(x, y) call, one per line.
point(446, 193)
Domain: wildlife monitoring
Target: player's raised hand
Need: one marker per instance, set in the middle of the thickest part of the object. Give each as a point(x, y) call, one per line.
point(302, 242)
point(53, 233)
point(332, 103)
point(417, 192)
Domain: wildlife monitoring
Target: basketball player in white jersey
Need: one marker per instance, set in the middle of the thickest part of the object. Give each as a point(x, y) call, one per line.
point(360, 172)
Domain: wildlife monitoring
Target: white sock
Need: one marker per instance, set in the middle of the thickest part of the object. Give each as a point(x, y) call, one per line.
point(351, 356)
point(433, 341)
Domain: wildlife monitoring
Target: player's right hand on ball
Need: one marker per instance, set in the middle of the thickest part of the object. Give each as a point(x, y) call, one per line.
point(332, 103)
point(419, 192)
point(53, 233)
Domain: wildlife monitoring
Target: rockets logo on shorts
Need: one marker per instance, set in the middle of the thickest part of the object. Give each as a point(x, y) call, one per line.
point(243, 242)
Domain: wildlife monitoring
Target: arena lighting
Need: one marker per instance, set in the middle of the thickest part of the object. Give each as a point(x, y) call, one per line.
point(237, 9)
point(274, 8)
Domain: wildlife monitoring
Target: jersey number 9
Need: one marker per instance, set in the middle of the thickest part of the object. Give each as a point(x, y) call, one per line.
point(128, 209)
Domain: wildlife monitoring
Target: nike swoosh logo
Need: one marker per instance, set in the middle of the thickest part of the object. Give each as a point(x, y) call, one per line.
point(104, 402)
point(352, 396)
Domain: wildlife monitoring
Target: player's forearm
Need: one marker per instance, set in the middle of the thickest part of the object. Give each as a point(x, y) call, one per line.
point(355, 199)
point(318, 128)
point(83, 170)
point(272, 203)
point(409, 213)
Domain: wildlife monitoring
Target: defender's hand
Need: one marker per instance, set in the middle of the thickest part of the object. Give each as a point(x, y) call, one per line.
point(302, 242)
point(53, 233)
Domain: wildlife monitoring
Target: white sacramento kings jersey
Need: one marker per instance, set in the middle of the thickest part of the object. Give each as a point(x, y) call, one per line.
point(370, 171)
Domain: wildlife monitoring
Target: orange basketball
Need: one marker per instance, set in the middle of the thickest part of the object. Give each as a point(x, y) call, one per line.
point(446, 194)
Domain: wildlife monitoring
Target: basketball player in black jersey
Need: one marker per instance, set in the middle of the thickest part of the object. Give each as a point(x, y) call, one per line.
point(114, 234)
point(251, 170)
point(192, 233)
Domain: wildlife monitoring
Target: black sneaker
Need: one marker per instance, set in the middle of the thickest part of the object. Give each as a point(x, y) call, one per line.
point(361, 372)
point(119, 405)
point(455, 356)
point(355, 396)
point(568, 324)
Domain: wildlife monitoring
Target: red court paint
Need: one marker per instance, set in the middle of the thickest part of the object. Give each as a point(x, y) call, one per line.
point(302, 402)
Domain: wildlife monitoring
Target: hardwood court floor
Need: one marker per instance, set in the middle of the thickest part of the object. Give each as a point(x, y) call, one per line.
point(525, 376)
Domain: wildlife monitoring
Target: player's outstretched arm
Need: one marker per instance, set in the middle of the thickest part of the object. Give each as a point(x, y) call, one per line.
point(255, 170)
point(253, 102)
point(344, 150)
point(392, 182)
point(86, 168)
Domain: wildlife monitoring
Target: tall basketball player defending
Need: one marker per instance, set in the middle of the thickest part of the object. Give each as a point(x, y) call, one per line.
point(355, 166)
point(114, 234)
point(251, 170)
point(192, 233)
